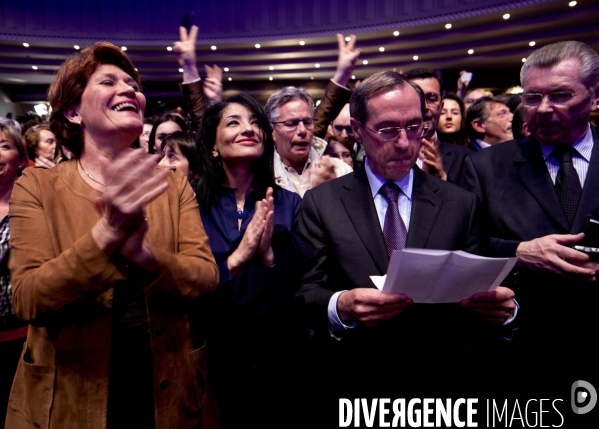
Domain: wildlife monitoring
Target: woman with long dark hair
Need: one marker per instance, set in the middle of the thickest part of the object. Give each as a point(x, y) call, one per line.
point(250, 223)
point(452, 122)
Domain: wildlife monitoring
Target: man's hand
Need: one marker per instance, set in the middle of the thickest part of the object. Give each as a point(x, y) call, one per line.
point(186, 53)
point(322, 171)
point(370, 306)
point(432, 163)
point(213, 86)
point(348, 55)
point(462, 86)
point(494, 306)
point(551, 254)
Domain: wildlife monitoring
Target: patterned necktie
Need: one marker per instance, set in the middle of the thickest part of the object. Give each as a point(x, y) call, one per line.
point(567, 183)
point(394, 230)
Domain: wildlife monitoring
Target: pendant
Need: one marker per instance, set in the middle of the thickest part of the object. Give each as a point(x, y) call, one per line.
point(239, 214)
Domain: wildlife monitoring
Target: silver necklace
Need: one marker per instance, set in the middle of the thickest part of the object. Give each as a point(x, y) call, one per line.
point(89, 175)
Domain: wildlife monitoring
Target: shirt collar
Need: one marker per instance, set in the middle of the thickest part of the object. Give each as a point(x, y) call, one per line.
point(376, 182)
point(482, 144)
point(584, 147)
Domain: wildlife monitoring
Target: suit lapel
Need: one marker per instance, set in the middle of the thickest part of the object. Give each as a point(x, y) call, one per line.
point(534, 176)
point(359, 205)
point(589, 199)
point(426, 205)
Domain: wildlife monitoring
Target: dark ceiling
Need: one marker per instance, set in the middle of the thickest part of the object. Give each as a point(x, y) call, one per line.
point(147, 27)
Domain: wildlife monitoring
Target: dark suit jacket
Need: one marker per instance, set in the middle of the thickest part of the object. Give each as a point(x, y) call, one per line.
point(453, 160)
point(520, 204)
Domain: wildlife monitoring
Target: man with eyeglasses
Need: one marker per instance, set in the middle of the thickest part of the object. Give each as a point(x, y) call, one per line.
point(488, 122)
point(441, 159)
point(355, 222)
point(299, 163)
point(536, 192)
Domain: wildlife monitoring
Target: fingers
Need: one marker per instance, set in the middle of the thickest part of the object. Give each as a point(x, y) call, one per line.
point(183, 34)
point(499, 294)
point(193, 34)
point(214, 72)
point(340, 41)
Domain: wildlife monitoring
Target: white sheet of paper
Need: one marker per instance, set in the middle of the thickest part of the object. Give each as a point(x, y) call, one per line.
point(441, 276)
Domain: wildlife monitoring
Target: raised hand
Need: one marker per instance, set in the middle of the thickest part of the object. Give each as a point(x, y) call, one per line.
point(185, 49)
point(265, 247)
point(213, 86)
point(348, 55)
point(432, 162)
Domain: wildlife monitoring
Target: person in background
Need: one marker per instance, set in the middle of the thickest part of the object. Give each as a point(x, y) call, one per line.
point(488, 123)
point(473, 95)
point(180, 152)
point(341, 148)
point(452, 122)
point(13, 159)
point(519, 123)
point(144, 138)
point(164, 126)
point(254, 345)
point(41, 146)
point(107, 252)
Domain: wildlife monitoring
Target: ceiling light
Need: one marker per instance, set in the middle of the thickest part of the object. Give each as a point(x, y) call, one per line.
point(302, 42)
point(317, 66)
point(572, 4)
point(76, 47)
point(311, 77)
point(448, 26)
point(470, 51)
point(415, 57)
point(353, 77)
point(136, 70)
point(396, 33)
point(34, 67)
point(180, 70)
point(123, 48)
point(270, 78)
point(26, 45)
point(230, 79)
point(382, 49)
point(213, 47)
point(365, 62)
point(226, 69)
point(271, 68)
point(257, 45)
point(506, 16)
point(523, 60)
point(347, 39)
point(532, 43)
point(169, 48)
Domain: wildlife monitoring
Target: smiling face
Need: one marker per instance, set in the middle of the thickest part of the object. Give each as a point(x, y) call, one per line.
point(10, 160)
point(398, 107)
point(46, 146)
point(111, 105)
point(239, 139)
point(567, 122)
point(451, 117)
point(293, 145)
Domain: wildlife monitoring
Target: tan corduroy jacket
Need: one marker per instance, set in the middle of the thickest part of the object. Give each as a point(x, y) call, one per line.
point(62, 286)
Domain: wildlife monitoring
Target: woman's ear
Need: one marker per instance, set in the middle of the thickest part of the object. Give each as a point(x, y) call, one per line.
point(72, 115)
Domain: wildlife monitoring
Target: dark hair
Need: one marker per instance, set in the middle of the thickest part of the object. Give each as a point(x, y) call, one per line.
point(70, 82)
point(479, 111)
point(32, 139)
point(424, 74)
point(186, 143)
point(459, 137)
point(518, 120)
point(512, 101)
point(11, 133)
point(211, 172)
point(376, 84)
point(346, 144)
point(164, 118)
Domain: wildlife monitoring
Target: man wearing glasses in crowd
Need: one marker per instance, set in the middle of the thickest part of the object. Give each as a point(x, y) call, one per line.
point(441, 159)
point(536, 192)
point(299, 164)
point(372, 341)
